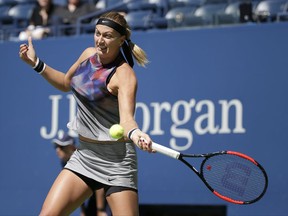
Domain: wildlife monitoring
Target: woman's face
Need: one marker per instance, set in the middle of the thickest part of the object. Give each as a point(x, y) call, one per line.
point(107, 41)
point(44, 3)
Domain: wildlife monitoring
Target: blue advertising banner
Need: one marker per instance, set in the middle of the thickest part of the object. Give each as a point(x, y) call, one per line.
point(204, 90)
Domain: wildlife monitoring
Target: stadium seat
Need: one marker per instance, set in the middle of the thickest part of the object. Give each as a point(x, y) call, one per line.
point(206, 14)
point(231, 14)
point(175, 3)
point(176, 16)
point(25, 1)
point(111, 3)
point(266, 11)
point(21, 14)
point(4, 9)
point(7, 2)
point(206, 2)
point(182, 3)
point(144, 20)
point(5, 19)
point(119, 5)
point(283, 16)
point(157, 6)
point(139, 20)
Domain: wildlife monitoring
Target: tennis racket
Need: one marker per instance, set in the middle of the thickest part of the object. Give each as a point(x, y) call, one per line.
point(231, 176)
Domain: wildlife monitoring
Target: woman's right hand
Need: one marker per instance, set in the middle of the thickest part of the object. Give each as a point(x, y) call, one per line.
point(27, 53)
point(142, 140)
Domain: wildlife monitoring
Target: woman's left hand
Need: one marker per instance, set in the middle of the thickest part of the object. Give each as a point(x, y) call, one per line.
point(27, 52)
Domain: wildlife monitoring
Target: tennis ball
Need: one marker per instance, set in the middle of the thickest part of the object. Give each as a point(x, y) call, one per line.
point(116, 131)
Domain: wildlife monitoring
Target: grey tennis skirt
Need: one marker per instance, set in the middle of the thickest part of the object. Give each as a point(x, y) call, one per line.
point(112, 164)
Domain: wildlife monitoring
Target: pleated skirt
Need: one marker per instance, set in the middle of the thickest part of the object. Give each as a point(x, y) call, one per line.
point(112, 164)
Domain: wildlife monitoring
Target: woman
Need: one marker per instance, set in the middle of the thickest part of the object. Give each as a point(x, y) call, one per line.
point(73, 10)
point(104, 86)
point(43, 12)
point(42, 18)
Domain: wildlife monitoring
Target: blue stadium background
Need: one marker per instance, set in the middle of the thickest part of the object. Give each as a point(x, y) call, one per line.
point(202, 66)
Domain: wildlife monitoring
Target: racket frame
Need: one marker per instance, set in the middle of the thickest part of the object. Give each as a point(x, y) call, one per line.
point(179, 156)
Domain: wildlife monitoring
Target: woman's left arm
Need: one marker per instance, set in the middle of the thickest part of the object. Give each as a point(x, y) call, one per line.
point(124, 82)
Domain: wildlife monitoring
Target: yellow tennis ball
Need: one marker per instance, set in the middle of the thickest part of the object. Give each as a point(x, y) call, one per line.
point(116, 131)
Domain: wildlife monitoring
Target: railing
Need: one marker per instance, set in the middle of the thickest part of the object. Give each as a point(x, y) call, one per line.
point(10, 33)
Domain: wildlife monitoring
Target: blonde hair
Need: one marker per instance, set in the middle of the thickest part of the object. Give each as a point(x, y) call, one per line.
point(137, 52)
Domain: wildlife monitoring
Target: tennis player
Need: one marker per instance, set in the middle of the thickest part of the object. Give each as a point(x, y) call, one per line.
point(104, 85)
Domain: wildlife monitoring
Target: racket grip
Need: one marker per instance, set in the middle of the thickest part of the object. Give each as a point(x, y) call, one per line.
point(166, 151)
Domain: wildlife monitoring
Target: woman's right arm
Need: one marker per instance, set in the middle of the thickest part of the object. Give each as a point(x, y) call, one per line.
point(56, 78)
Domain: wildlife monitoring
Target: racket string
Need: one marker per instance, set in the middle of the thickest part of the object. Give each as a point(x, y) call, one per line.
point(234, 177)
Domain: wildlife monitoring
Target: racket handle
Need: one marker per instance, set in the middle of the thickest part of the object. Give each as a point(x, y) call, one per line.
point(166, 151)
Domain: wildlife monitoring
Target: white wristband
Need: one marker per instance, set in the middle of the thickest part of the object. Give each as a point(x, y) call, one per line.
point(36, 64)
point(131, 136)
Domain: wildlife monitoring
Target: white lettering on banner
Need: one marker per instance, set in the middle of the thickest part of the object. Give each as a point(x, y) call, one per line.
point(208, 117)
point(55, 116)
point(179, 113)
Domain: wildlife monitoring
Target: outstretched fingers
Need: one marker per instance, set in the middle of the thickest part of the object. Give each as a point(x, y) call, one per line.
point(27, 52)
